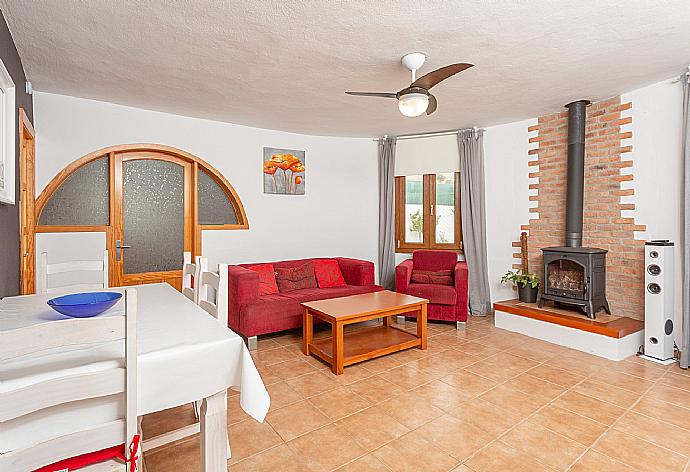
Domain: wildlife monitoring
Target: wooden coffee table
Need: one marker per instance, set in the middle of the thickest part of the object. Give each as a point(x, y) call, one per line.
point(345, 349)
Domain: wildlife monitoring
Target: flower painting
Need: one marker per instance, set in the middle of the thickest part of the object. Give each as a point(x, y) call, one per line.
point(283, 171)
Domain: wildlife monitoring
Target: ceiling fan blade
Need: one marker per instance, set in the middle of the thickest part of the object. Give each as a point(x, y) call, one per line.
point(432, 105)
point(374, 94)
point(434, 77)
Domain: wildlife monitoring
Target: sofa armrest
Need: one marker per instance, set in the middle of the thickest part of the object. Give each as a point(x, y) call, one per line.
point(461, 290)
point(243, 287)
point(403, 274)
point(356, 271)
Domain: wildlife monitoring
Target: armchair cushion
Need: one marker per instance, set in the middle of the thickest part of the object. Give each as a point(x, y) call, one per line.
point(438, 294)
point(438, 277)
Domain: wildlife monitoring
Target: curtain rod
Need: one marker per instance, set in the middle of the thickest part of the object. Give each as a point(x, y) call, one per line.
point(431, 134)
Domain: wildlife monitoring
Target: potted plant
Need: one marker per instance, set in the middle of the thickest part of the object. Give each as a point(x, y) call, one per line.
point(527, 284)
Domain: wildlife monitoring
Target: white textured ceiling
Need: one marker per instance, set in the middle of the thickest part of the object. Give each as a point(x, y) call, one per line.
point(285, 64)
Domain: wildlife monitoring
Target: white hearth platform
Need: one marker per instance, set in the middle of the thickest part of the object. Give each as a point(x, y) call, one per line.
point(614, 338)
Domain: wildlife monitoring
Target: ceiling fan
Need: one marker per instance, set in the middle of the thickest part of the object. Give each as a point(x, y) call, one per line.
point(415, 99)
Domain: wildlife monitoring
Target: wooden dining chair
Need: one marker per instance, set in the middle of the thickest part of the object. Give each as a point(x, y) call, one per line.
point(190, 274)
point(216, 305)
point(71, 267)
point(100, 444)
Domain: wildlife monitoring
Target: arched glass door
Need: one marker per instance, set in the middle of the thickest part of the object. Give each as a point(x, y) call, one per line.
point(153, 225)
point(151, 201)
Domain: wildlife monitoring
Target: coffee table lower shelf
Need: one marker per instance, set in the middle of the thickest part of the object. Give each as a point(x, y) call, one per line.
point(366, 344)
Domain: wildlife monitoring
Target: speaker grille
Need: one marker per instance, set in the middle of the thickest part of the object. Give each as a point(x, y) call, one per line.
point(668, 327)
point(654, 288)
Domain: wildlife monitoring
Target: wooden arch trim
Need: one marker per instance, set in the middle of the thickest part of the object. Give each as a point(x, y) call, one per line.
point(233, 197)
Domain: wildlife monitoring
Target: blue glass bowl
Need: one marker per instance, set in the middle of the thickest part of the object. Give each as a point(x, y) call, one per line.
point(84, 305)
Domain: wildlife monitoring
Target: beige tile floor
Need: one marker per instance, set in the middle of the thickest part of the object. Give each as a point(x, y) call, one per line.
point(477, 400)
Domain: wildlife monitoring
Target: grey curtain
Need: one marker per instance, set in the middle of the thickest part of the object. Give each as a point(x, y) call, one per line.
point(685, 233)
point(473, 215)
point(387, 212)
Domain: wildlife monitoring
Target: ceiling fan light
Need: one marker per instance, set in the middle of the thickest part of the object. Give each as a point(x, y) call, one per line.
point(413, 104)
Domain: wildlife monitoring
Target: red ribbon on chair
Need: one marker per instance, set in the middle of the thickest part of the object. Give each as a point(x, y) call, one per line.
point(83, 460)
point(133, 450)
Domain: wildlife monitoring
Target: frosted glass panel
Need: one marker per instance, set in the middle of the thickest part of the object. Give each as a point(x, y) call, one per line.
point(82, 199)
point(153, 215)
point(214, 206)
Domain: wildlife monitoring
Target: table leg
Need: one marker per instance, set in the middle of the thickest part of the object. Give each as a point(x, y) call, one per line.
point(421, 326)
point(214, 430)
point(337, 336)
point(387, 320)
point(307, 330)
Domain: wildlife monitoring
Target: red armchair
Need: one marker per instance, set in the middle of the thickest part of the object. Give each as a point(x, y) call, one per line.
point(446, 302)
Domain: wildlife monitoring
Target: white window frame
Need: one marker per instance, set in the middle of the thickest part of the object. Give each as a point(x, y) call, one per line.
point(8, 134)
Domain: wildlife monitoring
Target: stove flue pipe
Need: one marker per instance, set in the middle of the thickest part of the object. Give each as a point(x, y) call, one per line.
point(577, 117)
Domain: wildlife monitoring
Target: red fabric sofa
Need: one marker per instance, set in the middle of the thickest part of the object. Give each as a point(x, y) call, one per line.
point(251, 314)
point(446, 302)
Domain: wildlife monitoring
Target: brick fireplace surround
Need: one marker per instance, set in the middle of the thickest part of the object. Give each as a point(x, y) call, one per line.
point(605, 225)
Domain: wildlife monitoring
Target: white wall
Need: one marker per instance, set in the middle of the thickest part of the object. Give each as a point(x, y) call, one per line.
point(507, 198)
point(658, 167)
point(338, 216)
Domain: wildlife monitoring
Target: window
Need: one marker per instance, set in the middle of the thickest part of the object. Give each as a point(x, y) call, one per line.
point(8, 132)
point(427, 212)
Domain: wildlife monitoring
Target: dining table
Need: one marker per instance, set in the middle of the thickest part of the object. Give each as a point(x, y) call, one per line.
point(184, 356)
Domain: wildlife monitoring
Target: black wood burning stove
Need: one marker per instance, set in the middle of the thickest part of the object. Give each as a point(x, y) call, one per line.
point(573, 274)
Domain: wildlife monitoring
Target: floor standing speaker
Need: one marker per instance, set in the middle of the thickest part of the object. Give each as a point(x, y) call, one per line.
point(659, 302)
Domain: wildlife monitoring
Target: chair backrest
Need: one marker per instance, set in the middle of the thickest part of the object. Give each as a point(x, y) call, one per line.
point(73, 266)
point(16, 404)
point(218, 281)
point(190, 273)
point(426, 259)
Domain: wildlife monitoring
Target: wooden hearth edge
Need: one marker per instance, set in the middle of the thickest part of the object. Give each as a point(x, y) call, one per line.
point(617, 328)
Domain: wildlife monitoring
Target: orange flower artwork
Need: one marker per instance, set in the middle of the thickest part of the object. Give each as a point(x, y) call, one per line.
point(284, 171)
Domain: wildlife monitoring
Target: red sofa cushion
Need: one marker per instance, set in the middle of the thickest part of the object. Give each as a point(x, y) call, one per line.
point(439, 294)
point(296, 278)
point(311, 294)
point(328, 273)
point(438, 277)
point(267, 278)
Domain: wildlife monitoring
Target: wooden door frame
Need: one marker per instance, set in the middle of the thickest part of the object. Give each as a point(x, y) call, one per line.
point(116, 161)
point(27, 203)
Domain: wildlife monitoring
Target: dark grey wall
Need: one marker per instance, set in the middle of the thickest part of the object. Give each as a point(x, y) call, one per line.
point(9, 214)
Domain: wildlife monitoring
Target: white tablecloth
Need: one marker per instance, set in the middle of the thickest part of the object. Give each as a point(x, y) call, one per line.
point(184, 355)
